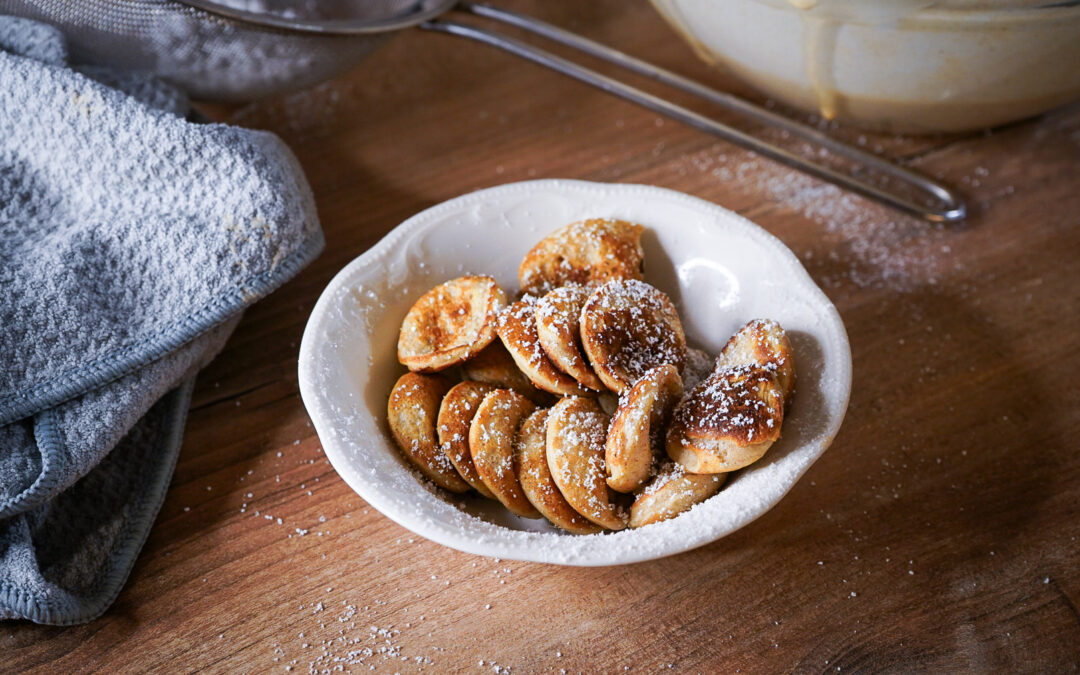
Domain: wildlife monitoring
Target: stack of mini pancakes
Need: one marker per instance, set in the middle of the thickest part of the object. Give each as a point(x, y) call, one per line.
point(580, 401)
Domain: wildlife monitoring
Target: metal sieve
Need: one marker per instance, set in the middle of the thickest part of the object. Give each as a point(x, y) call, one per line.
point(209, 56)
point(243, 49)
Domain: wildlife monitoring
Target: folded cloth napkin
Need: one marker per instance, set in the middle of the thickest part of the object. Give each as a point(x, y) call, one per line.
point(130, 241)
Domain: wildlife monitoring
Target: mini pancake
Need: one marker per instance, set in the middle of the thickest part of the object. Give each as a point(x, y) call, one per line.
point(635, 439)
point(456, 414)
point(629, 327)
point(557, 327)
point(412, 411)
point(762, 342)
point(576, 430)
point(491, 441)
point(450, 323)
point(530, 458)
point(728, 421)
point(517, 330)
point(494, 365)
point(672, 492)
point(591, 251)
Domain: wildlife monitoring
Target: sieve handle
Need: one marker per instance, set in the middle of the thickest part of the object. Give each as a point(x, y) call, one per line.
point(941, 204)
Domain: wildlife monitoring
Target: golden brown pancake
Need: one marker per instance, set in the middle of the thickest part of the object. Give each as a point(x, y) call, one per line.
point(532, 470)
point(517, 330)
point(728, 421)
point(627, 328)
point(635, 440)
point(672, 492)
point(491, 440)
point(494, 365)
point(576, 430)
point(762, 342)
point(450, 323)
point(412, 411)
point(594, 250)
point(456, 414)
point(557, 327)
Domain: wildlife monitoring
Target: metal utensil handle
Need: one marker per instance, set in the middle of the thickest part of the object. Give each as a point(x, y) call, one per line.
point(723, 99)
point(951, 207)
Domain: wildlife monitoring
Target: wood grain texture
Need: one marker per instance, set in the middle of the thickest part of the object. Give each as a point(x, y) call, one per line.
point(939, 533)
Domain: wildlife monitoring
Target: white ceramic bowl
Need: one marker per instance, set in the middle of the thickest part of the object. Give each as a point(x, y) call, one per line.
point(719, 268)
point(901, 65)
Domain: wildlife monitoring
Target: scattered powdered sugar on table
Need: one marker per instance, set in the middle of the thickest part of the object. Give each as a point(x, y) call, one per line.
point(333, 631)
point(878, 246)
point(346, 641)
point(308, 113)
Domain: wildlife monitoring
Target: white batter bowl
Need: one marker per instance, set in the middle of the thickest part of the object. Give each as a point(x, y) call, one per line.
point(902, 65)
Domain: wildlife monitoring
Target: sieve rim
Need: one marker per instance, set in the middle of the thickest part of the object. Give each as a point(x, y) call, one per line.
point(417, 13)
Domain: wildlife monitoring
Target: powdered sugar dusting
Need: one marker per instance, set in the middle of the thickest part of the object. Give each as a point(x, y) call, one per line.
point(741, 402)
point(577, 429)
point(559, 330)
point(878, 247)
point(517, 330)
point(629, 327)
point(491, 442)
point(593, 250)
point(672, 492)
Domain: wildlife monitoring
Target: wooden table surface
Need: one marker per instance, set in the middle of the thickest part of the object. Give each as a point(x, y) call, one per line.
point(940, 531)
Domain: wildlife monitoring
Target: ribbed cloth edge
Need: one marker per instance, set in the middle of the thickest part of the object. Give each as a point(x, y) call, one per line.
point(124, 553)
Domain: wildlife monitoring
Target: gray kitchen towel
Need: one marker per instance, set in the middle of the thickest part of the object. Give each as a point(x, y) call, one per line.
point(130, 241)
